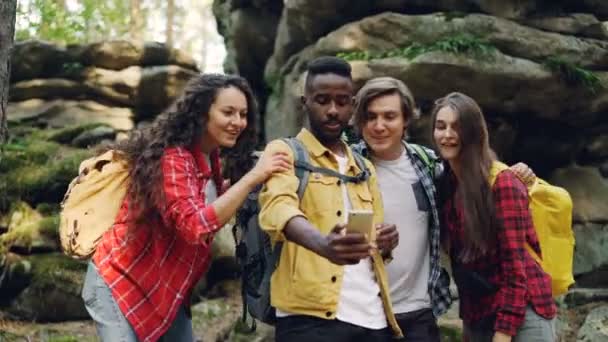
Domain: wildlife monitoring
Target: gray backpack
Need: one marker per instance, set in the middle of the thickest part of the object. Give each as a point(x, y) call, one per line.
point(254, 252)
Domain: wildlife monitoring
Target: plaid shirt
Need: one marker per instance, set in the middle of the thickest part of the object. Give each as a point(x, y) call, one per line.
point(439, 280)
point(519, 279)
point(152, 267)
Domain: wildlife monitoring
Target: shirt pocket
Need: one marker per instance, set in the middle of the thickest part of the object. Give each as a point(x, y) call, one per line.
point(422, 200)
point(322, 193)
point(364, 199)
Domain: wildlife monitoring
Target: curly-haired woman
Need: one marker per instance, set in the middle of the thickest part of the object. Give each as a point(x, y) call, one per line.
point(139, 281)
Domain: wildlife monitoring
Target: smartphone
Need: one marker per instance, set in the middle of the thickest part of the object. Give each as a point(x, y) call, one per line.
point(361, 221)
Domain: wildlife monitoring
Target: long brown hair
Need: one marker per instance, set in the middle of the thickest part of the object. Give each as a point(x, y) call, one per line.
point(182, 124)
point(473, 190)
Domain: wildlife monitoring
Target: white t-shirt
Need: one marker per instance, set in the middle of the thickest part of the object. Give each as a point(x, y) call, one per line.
point(406, 205)
point(210, 188)
point(360, 302)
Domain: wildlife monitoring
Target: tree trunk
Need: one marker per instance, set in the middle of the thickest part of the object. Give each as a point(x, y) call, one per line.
point(170, 18)
point(8, 12)
point(136, 24)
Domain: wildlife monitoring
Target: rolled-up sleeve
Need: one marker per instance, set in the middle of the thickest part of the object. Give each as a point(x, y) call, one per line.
point(512, 211)
point(185, 207)
point(278, 198)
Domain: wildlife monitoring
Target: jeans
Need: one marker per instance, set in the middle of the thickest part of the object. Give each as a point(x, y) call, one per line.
point(534, 329)
point(313, 329)
point(419, 326)
point(111, 324)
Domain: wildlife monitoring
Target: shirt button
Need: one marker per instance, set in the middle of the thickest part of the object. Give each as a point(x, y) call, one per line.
point(328, 314)
point(339, 213)
point(333, 279)
point(339, 182)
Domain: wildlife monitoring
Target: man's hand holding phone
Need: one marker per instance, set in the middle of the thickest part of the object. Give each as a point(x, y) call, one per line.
point(345, 248)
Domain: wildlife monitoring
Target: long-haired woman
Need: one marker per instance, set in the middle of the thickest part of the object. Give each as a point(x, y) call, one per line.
point(504, 293)
point(139, 281)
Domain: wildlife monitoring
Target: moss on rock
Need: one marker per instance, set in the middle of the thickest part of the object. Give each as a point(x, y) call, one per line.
point(39, 236)
point(54, 290)
point(41, 179)
point(36, 168)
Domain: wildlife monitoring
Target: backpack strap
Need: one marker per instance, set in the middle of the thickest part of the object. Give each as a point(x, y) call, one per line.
point(304, 167)
point(360, 161)
point(300, 157)
point(424, 156)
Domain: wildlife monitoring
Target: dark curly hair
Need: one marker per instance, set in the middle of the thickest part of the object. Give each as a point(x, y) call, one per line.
point(183, 124)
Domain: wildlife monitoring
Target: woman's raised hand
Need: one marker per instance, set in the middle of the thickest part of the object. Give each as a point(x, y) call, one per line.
point(268, 164)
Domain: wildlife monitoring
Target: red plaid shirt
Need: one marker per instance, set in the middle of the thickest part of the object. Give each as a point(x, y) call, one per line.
point(520, 280)
point(152, 267)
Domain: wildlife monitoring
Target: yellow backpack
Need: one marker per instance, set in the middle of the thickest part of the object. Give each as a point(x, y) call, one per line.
point(91, 203)
point(551, 209)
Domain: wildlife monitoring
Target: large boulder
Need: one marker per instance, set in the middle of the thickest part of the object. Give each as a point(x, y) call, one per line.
point(15, 275)
point(94, 137)
point(158, 87)
point(305, 21)
point(589, 191)
point(597, 148)
point(591, 252)
point(63, 113)
point(595, 328)
point(117, 86)
point(35, 59)
point(598, 30)
point(53, 293)
point(512, 78)
point(37, 171)
point(574, 24)
point(150, 89)
point(120, 54)
point(49, 88)
point(249, 32)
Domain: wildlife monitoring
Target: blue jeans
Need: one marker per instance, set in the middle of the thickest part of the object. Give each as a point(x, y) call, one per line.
point(111, 324)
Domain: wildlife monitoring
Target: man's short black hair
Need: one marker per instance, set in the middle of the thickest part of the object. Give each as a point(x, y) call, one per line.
point(327, 65)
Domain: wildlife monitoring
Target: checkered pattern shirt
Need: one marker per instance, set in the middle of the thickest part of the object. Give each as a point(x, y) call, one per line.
point(151, 267)
point(519, 278)
point(439, 280)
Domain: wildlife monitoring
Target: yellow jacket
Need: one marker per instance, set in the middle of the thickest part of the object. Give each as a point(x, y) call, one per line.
point(304, 282)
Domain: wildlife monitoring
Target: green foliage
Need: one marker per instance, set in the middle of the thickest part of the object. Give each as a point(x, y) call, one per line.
point(450, 334)
point(457, 44)
point(51, 269)
point(48, 209)
point(574, 74)
point(87, 21)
